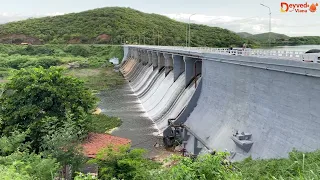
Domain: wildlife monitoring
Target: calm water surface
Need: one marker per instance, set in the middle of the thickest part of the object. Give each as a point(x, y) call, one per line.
point(303, 48)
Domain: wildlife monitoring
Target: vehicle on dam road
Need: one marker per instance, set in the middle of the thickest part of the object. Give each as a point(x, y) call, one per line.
point(313, 55)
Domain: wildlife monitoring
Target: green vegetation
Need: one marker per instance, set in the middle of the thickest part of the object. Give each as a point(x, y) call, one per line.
point(114, 25)
point(244, 34)
point(87, 62)
point(98, 78)
point(45, 111)
point(279, 39)
point(263, 37)
point(130, 164)
point(42, 100)
point(298, 166)
point(124, 163)
point(16, 161)
point(102, 123)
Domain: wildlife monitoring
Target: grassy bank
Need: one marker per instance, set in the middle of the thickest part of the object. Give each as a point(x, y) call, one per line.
point(98, 78)
point(102, 123)
point(87, 62)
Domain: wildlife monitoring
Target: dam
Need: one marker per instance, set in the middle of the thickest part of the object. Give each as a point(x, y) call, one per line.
point(254, 103)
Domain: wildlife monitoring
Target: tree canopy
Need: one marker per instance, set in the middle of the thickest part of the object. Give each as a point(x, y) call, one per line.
point(41, 100)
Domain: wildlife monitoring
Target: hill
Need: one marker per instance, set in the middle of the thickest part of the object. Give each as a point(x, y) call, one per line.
point(265, 36)
point(280, 39)
point(244, 34)
point(114, 25)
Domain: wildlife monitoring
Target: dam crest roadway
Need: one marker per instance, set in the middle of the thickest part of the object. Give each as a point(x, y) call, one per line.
point(248, 102)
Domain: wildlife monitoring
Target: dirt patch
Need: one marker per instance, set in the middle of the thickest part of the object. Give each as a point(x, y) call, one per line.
point(18, 39)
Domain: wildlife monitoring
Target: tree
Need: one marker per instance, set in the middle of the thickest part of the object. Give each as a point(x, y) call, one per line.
point(32, 95)
point(64, 145)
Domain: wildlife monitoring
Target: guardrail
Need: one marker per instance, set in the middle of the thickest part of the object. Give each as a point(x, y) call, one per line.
point(275, 54)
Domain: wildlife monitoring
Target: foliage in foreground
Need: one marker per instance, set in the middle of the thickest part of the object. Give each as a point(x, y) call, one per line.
point(41, 100)
point(17, 163)
point(123, 163)
point(299, 165)
point(130, 164)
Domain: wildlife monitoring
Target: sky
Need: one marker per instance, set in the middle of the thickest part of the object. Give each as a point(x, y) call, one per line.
point(236, 15)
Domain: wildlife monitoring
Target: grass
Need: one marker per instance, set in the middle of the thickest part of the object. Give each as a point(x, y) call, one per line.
point(102, 123)
point(299, 165)
point(98, 78)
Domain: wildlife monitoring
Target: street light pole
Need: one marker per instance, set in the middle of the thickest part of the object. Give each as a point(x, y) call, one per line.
point(189, 29)
point(186, 35)
point(269, 38)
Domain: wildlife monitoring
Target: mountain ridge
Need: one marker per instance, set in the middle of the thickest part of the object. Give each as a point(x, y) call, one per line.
point(116, 25)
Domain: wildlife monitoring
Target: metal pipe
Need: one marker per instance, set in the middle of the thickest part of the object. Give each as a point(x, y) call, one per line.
point(195, 73)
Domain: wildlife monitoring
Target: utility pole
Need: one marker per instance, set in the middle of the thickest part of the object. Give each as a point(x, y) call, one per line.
point(269, 38)
point(189, 30)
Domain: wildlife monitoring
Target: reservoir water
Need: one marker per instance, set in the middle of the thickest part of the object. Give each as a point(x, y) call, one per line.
point(303, 48)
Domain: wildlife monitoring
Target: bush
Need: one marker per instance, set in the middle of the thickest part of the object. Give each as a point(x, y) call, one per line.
point(299, 165)
point(78, 50)
point(33, 50)
point(45, 62)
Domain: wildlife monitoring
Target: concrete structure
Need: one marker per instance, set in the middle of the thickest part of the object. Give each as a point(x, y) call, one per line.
point(249, 103)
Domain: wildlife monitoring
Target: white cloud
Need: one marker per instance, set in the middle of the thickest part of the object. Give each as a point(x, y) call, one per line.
point(237, 24)
point(9, 17)
point(252, 25)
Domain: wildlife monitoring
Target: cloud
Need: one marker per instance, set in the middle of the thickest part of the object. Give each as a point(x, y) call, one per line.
point(237, 24)
point(254, 25)
point(9, 17)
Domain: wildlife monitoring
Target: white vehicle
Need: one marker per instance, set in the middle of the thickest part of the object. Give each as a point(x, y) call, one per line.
point(313, 55)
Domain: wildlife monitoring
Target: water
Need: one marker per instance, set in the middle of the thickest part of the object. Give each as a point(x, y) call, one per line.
point(123, 103)
point(303, 48)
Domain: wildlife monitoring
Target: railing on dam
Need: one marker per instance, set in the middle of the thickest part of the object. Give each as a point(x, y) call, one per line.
point(275, 54)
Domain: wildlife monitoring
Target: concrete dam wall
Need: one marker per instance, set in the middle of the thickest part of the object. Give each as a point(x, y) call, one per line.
point(162, 91)
point(248, 106)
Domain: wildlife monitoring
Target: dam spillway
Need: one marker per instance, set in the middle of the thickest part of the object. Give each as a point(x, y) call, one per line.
point(246, 105)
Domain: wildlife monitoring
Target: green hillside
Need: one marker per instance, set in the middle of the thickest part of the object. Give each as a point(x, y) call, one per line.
point(114, 25)
point(280, 39)
point(244, 34)
point(264, 37)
